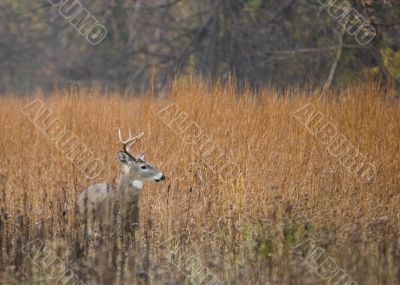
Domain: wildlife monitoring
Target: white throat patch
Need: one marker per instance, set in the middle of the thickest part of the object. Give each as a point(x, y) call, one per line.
point(137, 184)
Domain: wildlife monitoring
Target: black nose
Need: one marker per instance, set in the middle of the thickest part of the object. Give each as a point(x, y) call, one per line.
point(162, 177)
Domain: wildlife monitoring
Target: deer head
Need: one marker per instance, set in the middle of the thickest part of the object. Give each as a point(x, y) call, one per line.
point(136, 170)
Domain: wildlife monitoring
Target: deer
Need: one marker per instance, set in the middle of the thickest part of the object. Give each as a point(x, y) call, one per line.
point(102, 204)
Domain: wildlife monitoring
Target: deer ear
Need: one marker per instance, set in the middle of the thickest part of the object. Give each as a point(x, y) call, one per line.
point(124, 158)
point(141, 156)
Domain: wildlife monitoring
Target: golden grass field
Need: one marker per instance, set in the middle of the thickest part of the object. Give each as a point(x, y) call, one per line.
point(289, 188)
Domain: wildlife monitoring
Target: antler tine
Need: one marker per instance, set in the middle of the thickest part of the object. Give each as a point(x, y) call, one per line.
point(134, 140)
point(120, 137)
point(129, 142)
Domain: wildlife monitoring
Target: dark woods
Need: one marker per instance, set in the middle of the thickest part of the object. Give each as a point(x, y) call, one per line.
point(259, 42)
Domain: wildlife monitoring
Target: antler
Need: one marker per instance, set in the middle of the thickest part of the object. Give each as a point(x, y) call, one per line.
point(129, 142)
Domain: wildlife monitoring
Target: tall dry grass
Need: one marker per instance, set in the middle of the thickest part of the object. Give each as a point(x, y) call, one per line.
point(288, 185)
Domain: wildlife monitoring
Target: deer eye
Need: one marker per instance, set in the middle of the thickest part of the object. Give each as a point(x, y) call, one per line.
point(143, 167)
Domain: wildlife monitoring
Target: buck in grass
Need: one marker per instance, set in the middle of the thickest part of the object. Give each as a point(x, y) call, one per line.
point(101, 204)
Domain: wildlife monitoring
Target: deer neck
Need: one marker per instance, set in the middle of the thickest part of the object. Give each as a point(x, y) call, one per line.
point(128, 191)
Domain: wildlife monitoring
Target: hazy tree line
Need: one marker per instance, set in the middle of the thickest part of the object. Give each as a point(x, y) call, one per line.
point(260, 42)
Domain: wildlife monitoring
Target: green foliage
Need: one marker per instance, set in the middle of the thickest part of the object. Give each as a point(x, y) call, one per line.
point(254, 6)
point(267, 241)
point(391, 59)
point(266, 247)
point(293, 232)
